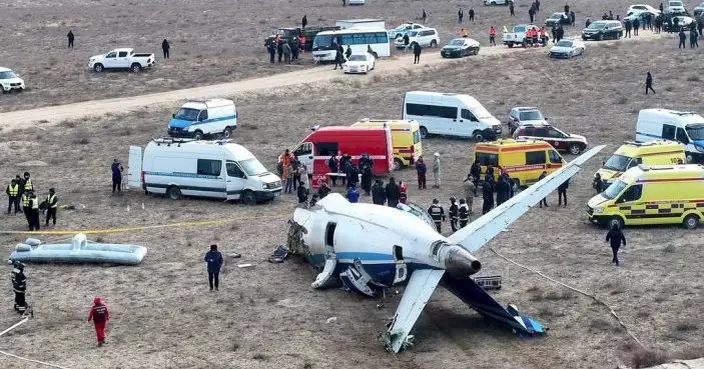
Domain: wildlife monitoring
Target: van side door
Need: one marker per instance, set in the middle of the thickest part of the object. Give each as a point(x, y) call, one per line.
point(209, 181)
point(668, 132)
point(468, 122)
point(202, 120)
point(110, 60)
point(535, 165)
point(236, 181)
point(630, 206)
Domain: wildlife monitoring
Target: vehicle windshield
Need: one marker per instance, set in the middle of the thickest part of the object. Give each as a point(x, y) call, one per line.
point(7, 75)
point(518, 29)
point(695, 131)
point(417, 211)
point(187, 114)
point(480, 112)
point(412, 34)
point(564, 43)
point(456, 42)
point(556, 16)
point(613, 190)
point(323, 41)
point(675, 3)
point(357, 58)
point(596, 25)
point(531, 115)
point(252, 167)
point(618, 163)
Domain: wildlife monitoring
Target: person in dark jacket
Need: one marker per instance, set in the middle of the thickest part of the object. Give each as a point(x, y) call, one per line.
point(562, 192)
point(598, 184)
point(165, 47)
point(348, 52)
point(280, 49)
point(70, 38)
point(214, 261)
point(352, 193)
point(544, 201)
point(511, 9)
point(502, 190)
point(352, 174)
point(487, 194)
point(51, 205)
point(19, 286)
point(333, 166)
point(323, 190)
point(339, 57)
point(13, 194)
point(302, 193)
point(406, 42)
point(416, 53)
point(693, 38)
point(460, 15)
point(636, 25)
point(116, 176)
point(507, 177)
point(421, 169)
point(627, 26)
point(100, 316)
point(463, 212)
point(272, 52)
point(454, 214)
point(295, 48)
point(615, 237)
point(378, 193)
point(304, 21)
point(367, 179)
point(476, 172)
point(438, 214)
point(393, 193)
point(531, 14)
point(471, 14)
point(649, 83)
point(683, 39)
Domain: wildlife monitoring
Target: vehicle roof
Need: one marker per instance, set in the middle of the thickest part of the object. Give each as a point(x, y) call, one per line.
point(502, 144)
point(647, 173)
point(524, 108)
point(685, 117)
point(212, 103)
point(128, 49)
point(348, 129)
point(3, 69)
point(350, 30)
point(362, 20)
point(468, 100)
point(239, 151)
point(653, 147)
point(534, 125)
point(390, 122)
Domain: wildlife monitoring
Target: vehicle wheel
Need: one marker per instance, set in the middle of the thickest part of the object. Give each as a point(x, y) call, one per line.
point(574, 149)
point(616, 220)
point(135, 68)
point(618, 36)
point(248, 198)
point(398, 35)
point(433, 43)
point(476, 51)
point(173, 192)
point(690, 159)
point(2, 89)
point(477, 136)
point(98, 68)
point(601, 37)
point(398, 164)
point(691, 221)
point(198, 135)
point(584, 38)
point(227, 133)
point(510, 46)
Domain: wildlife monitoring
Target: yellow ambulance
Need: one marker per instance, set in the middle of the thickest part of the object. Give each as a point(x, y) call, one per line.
point(405, 138)
point(659, 194)
point(524, 160)
point(632, 154)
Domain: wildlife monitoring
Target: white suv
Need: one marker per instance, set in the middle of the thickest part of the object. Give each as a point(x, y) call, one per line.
point(425, 37)
point(10, 81)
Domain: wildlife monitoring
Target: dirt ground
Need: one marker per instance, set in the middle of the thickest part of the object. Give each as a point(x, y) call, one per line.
point(268, 316)
point(217, 42)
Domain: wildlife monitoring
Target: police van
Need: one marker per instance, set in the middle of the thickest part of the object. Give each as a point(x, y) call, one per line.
point(686, 128)
point(198, 119)
point(659, 194)
point(216, 169)
point(632, 154)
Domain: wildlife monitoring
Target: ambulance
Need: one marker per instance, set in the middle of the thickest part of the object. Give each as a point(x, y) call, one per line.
point(658, 194)
point(405, 138)
point(632, 154)
point(524, 160)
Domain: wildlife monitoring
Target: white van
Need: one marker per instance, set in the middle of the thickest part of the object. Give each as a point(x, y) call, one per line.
point(219, 169)
point(450, 114)
point(683, 127)
point(197, 119)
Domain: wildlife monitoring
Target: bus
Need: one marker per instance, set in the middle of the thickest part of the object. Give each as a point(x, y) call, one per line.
point(358, 39)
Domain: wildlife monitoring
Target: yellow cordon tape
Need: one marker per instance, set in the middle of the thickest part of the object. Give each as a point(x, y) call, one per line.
point(133, 229)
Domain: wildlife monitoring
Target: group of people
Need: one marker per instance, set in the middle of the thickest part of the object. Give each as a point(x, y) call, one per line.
point(287, 51)
point(21, 198)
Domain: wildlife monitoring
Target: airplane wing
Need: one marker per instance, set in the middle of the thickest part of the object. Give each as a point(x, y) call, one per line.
point(417, 293)
point(478, 233)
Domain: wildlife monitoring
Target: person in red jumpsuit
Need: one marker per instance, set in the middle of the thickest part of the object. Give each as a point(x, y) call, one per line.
point(100, 316)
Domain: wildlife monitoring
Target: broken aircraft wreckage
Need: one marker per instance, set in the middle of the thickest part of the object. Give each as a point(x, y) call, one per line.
point(372, 247)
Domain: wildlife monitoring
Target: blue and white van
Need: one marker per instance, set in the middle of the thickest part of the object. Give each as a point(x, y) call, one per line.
point(198, 119)
point(685, 127)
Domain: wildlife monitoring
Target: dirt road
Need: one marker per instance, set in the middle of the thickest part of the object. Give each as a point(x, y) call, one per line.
point(48, 116)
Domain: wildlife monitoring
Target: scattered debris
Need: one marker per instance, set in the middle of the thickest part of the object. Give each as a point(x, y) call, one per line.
point(492, 282)
point(279, 255)
point(235, 255)
point(331, 319)
point(379, 306)
point(245, 265)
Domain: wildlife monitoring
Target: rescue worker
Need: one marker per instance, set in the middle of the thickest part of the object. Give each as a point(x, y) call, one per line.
point(332, 165)
point(416, 53)
point(471, 14)
point(302, 193)
point(367, 179)
point(544, 201)
point(348, 52)
point(649, 83)
point(683, 38)
point(627, 26)
point(598, 184)
point(213, 260)
point(504, 29)
point(403, 192)
point(352, 194)
point(438, 214)
point(27, 208)
point(165, 47)
point(460, 15)
point(535, 37)
point(492, 36)
point(302, 43)
point(272, 52)
point(19, 286)
point(615, 237)
point(393, 193)
point(544, 36)
point(100, 316)
point(117, 169)
point(470, 190)
point(286, 50)
point(339, 58)
point(436, 169)
point(13, 196)
point(463, 32)
point(70, 38)
point(487, 195)
point(352, 174)
point(34, 212)
point(51, 205)
point(323, 190)
point(378, 193)
point(463, 213)
point(562, 192)
point(454, 214)
point(28, 186)
point(502, 190)
point(421, 169)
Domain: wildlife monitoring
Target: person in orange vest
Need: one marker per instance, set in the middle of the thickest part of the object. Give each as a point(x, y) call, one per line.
point(302, 42)
point(529, 37)
point(492, 36)
point(535, 37)
point(544, 36)
point(463, 32)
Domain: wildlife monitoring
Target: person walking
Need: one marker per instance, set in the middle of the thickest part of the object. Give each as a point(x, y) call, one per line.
point(393, 193)
point(492, 36)
point(562, 193)
point(471, 14)
point(51, 205)
point(70, 38)
point(683, 38)
point(352, 193)
point(616, 238)
point(213, 260)
point(531, 14)
point(438, 214)
point(649, 83)
point(421, 169)
point(454, 214)
point(636, 25)
point(460, 15)
point(463, 213)
point(165, 47)
point(416, 53)
point(378, 193)
point(19, 286)
point(116, 169)
point(13, 196)
point(544, 201)
point(436, 170)
point(100, 316)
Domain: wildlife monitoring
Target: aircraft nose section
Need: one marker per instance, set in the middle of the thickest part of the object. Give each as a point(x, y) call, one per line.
point(461, 263)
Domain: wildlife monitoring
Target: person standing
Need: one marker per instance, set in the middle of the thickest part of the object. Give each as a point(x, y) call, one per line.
point(302, 193)
point(402, 192)
point(339, 57)
point(19, 286)
point(463, 213)
point(13, 195)
point(627, 26)
point(487, 196)
point(492, 36)
point(288, 177)
point(393, 193)
point(352, 193)
point(378, 193)
point(421, 169)
point(406, 42)
point(460, 15)
point(272, 52)
point(348, 52)
point(165, 47)
point(27, 183)
point(304, 21)
point(436, 170)
point(502, 190)
point(471, 14)
point(615, 237)
point(511, 9)
point(693, 38)
point(100, 316)
point(51, 205)
point(537, 6)
point(27, 208)
point(33, 212)
point(424, 16)
point(70, 38)
point(544, 201)
point(286, 49)
point(475, 171)
point(438, 214)
point(116, 176)
point(562, 192)
point(683, 39)
point(649, 83)
point(470, 190)
point(213, 260)
point(454, 214)
point(636, 25)
point(280, 50)
point(332, 166)
point(416, 53)
point(598, 183)
point(531, 14)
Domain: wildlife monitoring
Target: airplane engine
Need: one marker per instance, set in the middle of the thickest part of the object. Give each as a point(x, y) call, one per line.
point(458, 261)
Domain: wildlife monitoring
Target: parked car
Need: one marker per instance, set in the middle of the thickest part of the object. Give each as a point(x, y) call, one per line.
point(640, 15)
point(517, 36)
point(403, 29)
point(359, 63)
point(574, 144)
point(567, 49)
point(9, 81)
point(682, 21)
point(699, 9)
point(557, 19)
point(459, 47)
point(121, 59)
point(521, 115)
point(603, 29)
point(199, 119)
point(641, 8)
point(425, 37)
point(675, 7)
point(355, 2)
point(496, 2)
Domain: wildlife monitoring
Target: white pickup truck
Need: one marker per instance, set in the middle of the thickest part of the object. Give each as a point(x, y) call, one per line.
point(121, 59)
point(517, 35)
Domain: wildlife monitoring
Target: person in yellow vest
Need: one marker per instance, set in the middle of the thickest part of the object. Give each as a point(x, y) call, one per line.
point(13, 194)
point(51, 204)
point(27, 208)
point(27, 183)
point(34, 211)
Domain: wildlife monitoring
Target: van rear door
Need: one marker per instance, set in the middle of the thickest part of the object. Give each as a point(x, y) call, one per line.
point(134, 168)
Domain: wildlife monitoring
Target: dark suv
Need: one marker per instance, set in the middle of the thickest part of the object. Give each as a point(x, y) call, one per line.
point(603, 29)
point(574, 144)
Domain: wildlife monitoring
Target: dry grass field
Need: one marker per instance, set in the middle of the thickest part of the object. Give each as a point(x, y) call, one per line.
point(268, 316)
